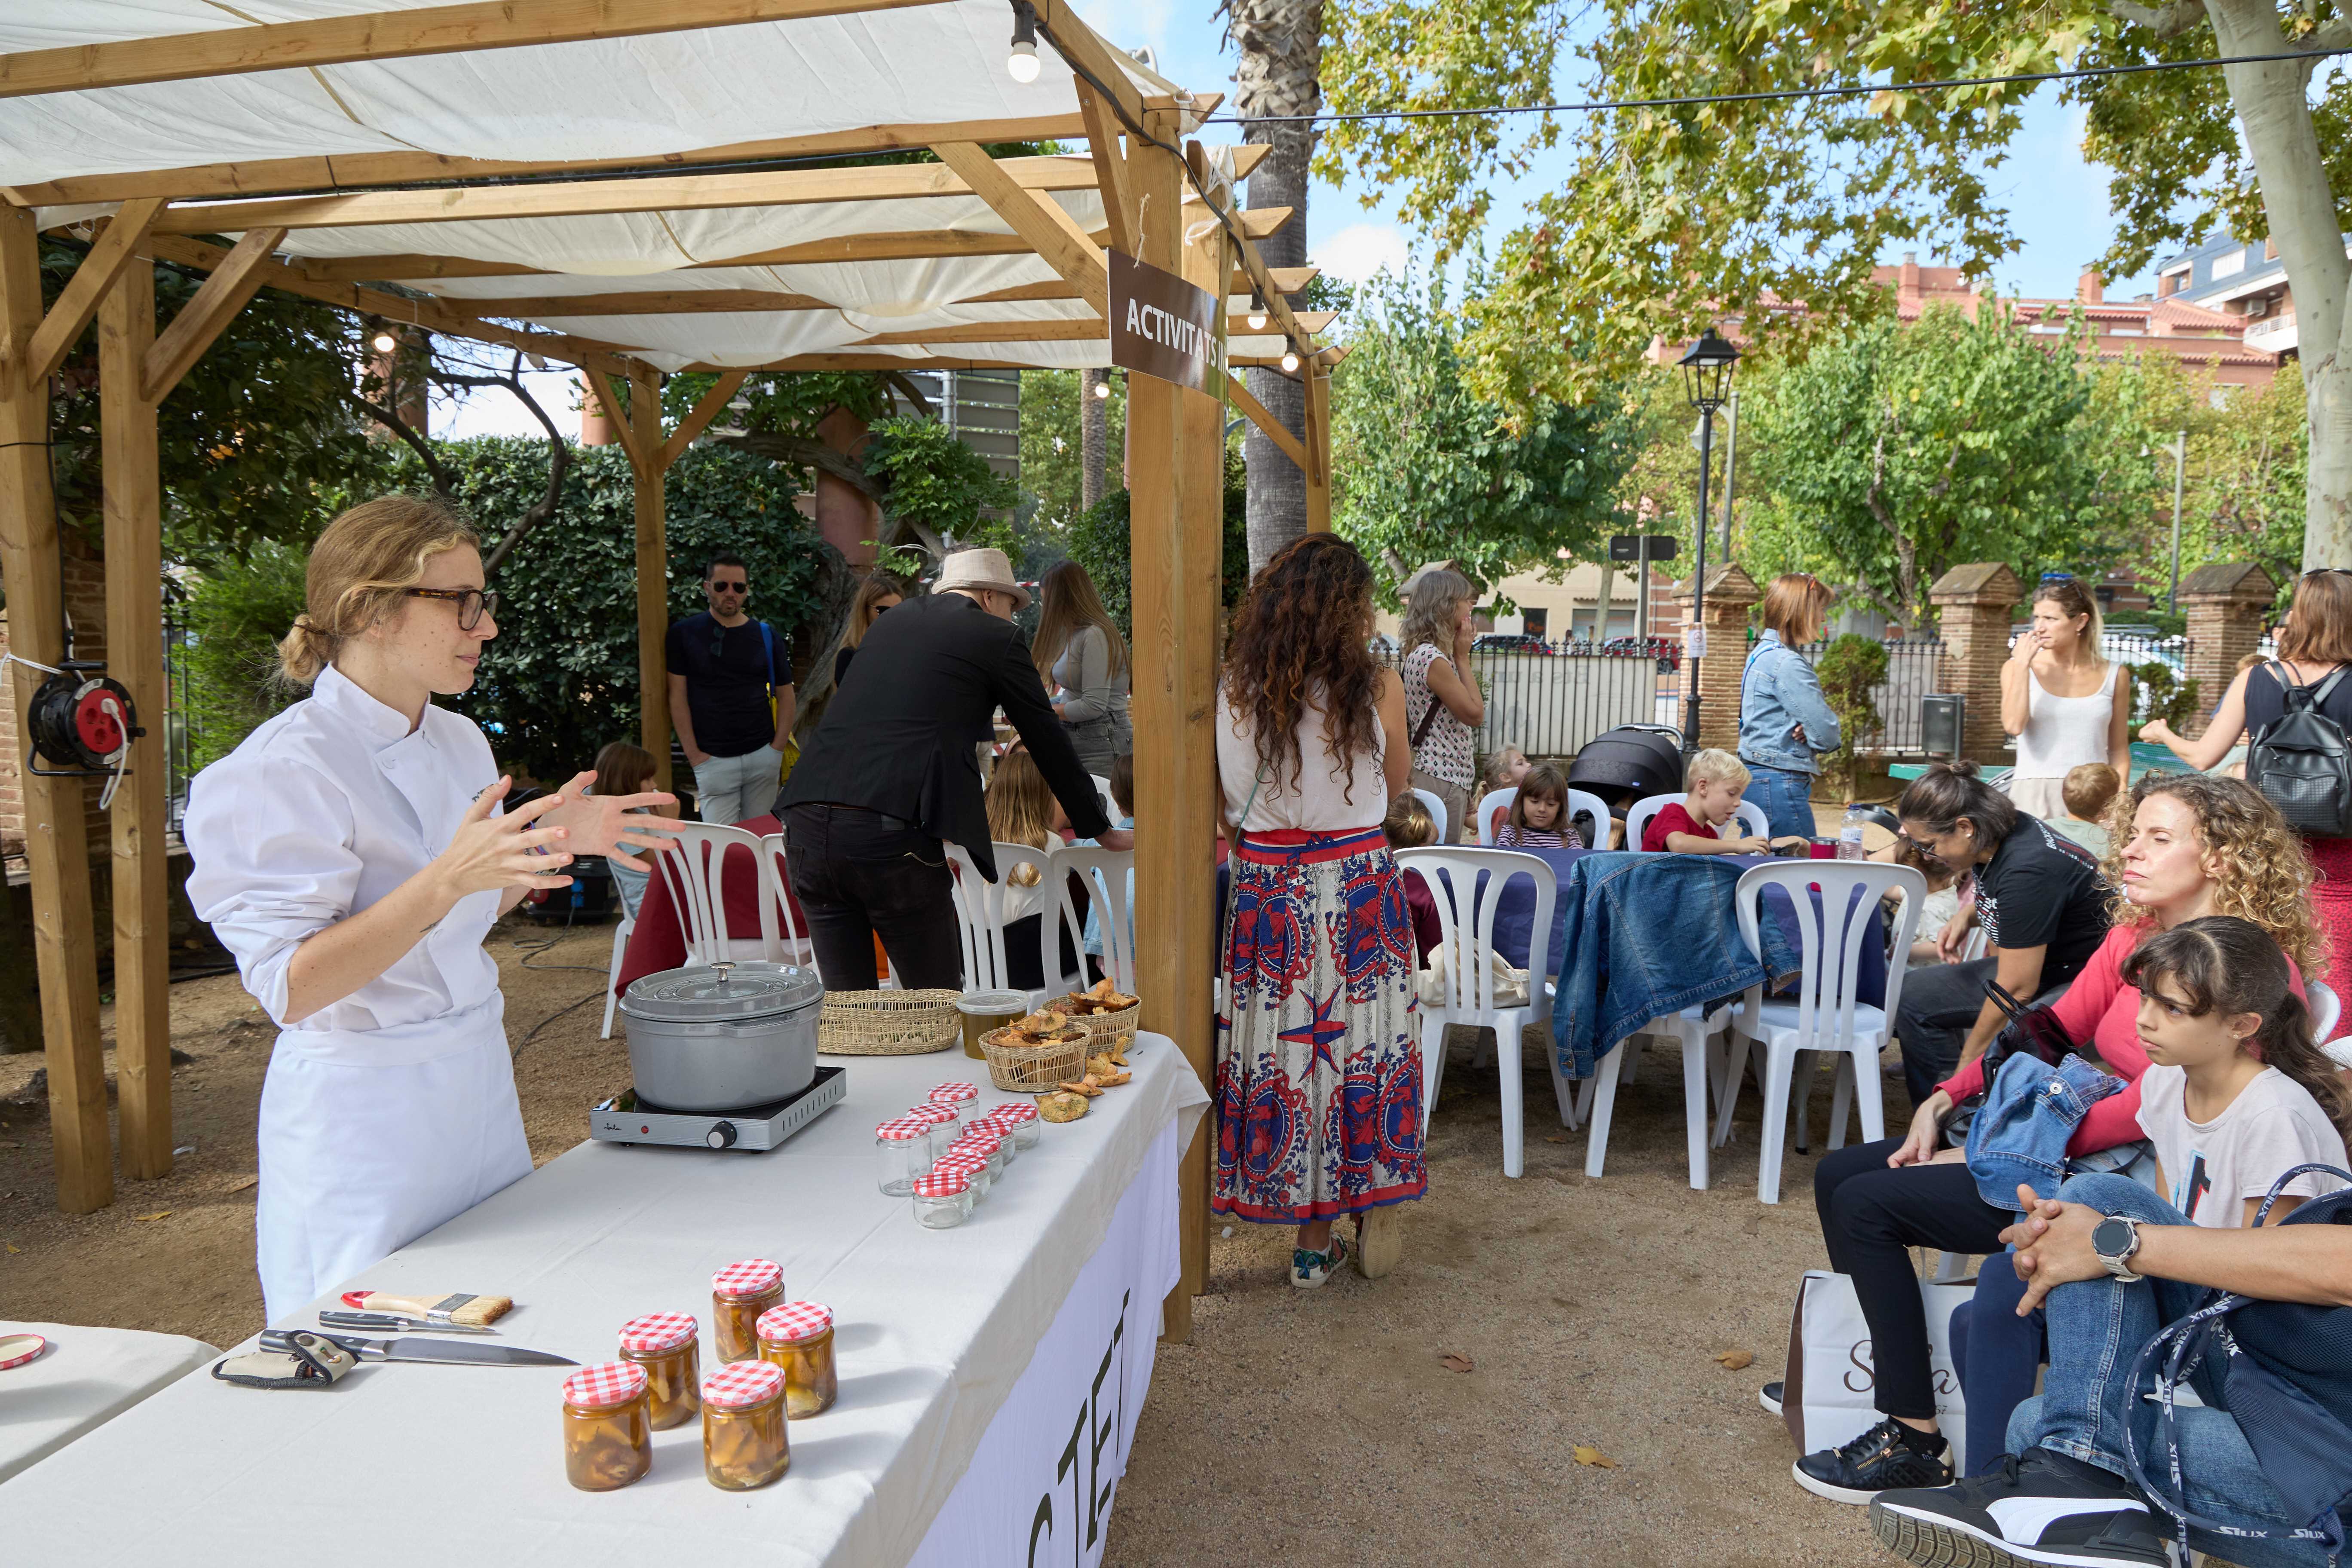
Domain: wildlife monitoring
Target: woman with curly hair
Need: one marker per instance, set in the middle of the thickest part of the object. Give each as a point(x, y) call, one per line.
point(2182, 846)
point(1319, 1057)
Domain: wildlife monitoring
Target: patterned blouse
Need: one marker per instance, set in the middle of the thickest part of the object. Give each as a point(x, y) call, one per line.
point(1449, 751)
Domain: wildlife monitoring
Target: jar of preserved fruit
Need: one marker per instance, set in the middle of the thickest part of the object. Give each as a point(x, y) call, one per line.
point(798, 1337)
point(973, 1168)
point(664, 1343)
point(902, 1148)
point(1021, 1117)
point(743, 1440)
point(607, 1434)
point(942, 1199)
point(739, 1294)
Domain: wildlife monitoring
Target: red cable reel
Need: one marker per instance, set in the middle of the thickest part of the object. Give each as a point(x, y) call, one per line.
point(83, 720)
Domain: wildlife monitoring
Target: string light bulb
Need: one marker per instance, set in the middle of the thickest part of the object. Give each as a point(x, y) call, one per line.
point(1289, 356)
point(1102, 389)
point(1257, 311)
point(1021, 63)
point(383, 343)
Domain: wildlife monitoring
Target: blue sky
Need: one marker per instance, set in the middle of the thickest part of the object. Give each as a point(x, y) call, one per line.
point(2058, 203)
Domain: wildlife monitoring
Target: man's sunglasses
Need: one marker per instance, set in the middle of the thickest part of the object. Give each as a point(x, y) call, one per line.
point(742, 587)
point(472, 604)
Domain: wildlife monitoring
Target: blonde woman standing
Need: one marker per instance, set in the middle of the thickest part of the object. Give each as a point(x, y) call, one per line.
point(351, 854)
point(1443, 705)
point(2065, 701)
point(1079, 649)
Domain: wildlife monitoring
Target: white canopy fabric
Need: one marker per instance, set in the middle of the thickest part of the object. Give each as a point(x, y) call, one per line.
point(646, 96)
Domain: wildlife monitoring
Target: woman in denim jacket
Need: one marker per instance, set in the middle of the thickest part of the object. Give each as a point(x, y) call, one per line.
point(1785, 723)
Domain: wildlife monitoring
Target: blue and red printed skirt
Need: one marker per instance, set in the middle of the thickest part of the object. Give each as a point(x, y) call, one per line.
point(1318, 1044)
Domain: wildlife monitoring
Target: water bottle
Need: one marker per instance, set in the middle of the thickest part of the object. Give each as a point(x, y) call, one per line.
point(1850, 834)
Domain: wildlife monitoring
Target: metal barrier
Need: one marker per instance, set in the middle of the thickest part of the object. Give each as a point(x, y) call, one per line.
point(1549, 699)
point(1911, 674)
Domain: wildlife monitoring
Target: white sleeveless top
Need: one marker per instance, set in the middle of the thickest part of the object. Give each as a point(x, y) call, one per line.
point(2062, 734)
point(1322, 801)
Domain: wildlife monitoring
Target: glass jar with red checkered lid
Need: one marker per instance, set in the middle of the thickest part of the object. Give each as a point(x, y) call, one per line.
point(1021, 1117)
point(798, 1337)
point(607, 1430)
point(942, 1198)
point(739, 1294)
point(946, 1123)
point(987, 1145)
point(902, 1150)
point(664, 1344)
point(743, 1440)
point(973, 1169)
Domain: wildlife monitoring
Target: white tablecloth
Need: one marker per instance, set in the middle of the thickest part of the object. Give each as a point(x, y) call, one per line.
point(83, 1379)
point(934, 1328)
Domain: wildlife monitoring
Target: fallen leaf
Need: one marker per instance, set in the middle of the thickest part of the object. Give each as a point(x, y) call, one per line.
point(1453, 1361)
point(1555, 1140)
point(13, 1248)
point(1595, 1457)
point(249, 1183)
point(158, 1213)
point(1735, 1358)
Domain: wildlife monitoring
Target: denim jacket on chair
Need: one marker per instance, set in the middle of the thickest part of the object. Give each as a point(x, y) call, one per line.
point(2031, 1110)
point(1779, 692)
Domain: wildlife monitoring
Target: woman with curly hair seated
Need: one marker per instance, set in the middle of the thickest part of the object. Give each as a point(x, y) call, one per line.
point(1319, 1052)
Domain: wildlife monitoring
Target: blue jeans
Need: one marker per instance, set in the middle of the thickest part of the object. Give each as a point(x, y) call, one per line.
point(1785, 797)
point(2096, 1330)
point(1997, 1353)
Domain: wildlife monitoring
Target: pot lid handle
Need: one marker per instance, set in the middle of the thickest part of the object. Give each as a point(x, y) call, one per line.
point(724, 968)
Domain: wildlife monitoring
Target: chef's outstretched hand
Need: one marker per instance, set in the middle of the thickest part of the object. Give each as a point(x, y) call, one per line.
point(603, 824)
point(495, 853)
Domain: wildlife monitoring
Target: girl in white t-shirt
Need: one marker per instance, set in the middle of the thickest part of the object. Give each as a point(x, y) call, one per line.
point(2237, 1093)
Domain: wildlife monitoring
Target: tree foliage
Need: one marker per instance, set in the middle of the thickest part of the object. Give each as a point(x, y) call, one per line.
point(1098, 540)
point(1050, 442)
point(1851, 668)
point(1425, 467)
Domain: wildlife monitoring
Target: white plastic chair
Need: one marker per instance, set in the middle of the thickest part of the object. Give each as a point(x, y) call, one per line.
point(794, 946)
point(1592, 813)
point(1102, 792)
point(1110, 874)
point(1436, 813)
point(613, 971)
point(1494, 808)
point(1752, 820)
point(1826, 1014)
point(696, 873)
point(1466, 915)
point(2325, 1007)
point(1695, 1030)
point(980, 916)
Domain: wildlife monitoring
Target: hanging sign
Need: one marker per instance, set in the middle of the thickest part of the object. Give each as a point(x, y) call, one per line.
point(1162, 326)
point(1628, 547)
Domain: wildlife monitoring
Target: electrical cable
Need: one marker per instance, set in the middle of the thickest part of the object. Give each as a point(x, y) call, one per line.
point(1775, 94)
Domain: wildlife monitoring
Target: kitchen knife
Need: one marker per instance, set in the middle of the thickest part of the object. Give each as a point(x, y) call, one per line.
point(366, 1321)
point(455, 1352)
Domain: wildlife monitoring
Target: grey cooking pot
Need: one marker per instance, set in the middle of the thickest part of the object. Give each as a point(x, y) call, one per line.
point(723, 1036)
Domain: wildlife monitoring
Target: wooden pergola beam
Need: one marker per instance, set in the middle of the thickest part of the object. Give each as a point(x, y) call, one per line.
point(591, 198)
point(268, 177)
point(698, 419)
point(1039, 220)
point(1073, 330)
point(861, 362)
point(390, 34)
point(622, 416)
point(202, 319)
point(1110, 169)
point(652, 302)
point(112, 252)
point(1089, 56)
point(1263, 418)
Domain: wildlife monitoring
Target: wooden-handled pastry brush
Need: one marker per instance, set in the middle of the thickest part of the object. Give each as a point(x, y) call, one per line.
point(472, 1312)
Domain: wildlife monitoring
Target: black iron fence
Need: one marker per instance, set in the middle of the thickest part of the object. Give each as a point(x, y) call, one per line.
point(1911, 674)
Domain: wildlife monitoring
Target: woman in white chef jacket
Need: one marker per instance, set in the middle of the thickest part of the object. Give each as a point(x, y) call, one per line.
point(351, 854)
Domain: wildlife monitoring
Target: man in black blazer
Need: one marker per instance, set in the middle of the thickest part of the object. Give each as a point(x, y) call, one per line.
point(892, 770)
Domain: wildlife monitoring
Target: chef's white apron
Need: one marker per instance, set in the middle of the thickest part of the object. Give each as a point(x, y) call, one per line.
point(369, 1138)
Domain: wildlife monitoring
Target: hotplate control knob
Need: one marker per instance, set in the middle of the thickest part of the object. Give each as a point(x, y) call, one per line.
point(721, 1135)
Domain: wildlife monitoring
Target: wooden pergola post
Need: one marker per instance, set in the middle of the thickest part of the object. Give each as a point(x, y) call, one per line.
point(641, 439)
point(1319, 445)
point(1175, 445)
point(134, 622)
point(56, 845)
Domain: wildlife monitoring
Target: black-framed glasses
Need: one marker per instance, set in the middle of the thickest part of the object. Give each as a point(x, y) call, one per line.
point(472, 604)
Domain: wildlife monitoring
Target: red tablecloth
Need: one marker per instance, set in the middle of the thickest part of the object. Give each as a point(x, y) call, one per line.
point(659, 941)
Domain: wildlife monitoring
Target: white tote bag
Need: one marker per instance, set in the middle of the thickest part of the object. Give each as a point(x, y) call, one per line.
point(1827, 1397)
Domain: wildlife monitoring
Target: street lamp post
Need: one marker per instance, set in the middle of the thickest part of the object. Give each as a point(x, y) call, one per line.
point(1706, 379)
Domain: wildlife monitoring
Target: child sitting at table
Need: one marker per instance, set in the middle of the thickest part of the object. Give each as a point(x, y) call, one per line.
point(1539, 819)
point(1693, 825)
point(1409, 826)
point(2088, 791)
point(1021, 810)
point(1936, 910)
point(624, 769)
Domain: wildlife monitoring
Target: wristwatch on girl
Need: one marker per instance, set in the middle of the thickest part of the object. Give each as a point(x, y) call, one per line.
point(2117, 1241)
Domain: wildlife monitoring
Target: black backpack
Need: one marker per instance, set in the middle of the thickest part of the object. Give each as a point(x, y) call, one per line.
point(2302, 761)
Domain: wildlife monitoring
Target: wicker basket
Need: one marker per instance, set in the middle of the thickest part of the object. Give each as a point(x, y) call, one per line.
point(1034, 1069)
point(1102, 1026)
point(888, 1023)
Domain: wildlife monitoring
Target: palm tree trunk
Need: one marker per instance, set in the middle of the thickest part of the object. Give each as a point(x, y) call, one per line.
point(1281, 47)
point(1094, 437)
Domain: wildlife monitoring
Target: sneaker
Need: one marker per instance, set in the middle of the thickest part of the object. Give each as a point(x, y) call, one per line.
point(2040, 1508)
point(1881, 1459)
point(1309, 1270)
point(1380, 1240)
point(1769, 1396)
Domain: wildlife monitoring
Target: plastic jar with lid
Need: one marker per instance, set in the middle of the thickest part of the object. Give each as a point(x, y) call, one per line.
point(902, 1148)
point(798, 1337)
point(942, 1199)
point(743, 1440)
point(607, 1432)
point(973, 1169)
point(739, 1294)
point(664, 1343)
point(1021, 1117)
point(989, 1147)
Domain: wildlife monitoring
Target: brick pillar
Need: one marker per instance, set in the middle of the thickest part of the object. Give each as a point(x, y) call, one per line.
point(1731, 592)
point(1975, 606)
point(2226, 603)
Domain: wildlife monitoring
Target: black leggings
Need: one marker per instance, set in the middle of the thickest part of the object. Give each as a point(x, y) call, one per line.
point(1872, 1216)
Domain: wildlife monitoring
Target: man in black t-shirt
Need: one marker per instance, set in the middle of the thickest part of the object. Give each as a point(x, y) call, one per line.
point(731, 697)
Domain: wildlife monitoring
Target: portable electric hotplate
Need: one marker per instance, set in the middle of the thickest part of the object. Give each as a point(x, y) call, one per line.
point(627, 1119)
